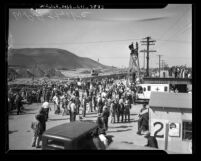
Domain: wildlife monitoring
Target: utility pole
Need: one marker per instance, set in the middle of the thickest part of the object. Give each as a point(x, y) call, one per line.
point(148, 42)
point(34, 71)
point(143, 58)
point(144, 51)
point(163, 64)
point(159, 69)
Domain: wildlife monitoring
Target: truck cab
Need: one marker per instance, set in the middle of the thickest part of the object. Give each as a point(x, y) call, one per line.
point(94, 73)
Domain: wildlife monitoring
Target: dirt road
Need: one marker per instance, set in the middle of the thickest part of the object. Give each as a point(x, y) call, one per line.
point(20, 133)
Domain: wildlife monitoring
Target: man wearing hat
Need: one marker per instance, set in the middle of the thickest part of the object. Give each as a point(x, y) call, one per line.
point(127, 110)
point(112, 111)
point(46, 109)
point(56, 100)
point(72, 110)
point(122, 108)
point(105, 115)
point(143, 119)
point(18, 103)
point(100, 104)
point(151, 140)
point(117, 109)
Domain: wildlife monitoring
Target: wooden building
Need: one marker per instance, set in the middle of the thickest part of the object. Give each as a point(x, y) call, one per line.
point(170, 120)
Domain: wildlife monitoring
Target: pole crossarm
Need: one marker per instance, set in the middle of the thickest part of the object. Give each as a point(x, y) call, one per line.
point(148, 41)
point(149, 51)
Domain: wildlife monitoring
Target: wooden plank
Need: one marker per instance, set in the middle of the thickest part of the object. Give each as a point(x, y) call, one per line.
point(166, 136)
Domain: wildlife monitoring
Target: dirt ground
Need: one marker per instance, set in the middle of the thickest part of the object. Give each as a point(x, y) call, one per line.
point(20, 133)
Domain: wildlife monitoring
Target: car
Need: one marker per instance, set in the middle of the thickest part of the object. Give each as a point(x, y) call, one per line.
point(75, 135)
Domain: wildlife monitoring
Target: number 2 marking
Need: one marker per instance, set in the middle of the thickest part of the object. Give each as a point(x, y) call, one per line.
point(157, 131)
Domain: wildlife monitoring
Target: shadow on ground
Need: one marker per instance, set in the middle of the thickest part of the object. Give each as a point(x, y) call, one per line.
point(10, 132)
point(127, 142)
point(109, 137)
point(123, 126)
point(25, 113)
point(87, 120)
point(134, 114)
point(131, 120)
point(87, 116)
point(58, 119)
point(14, 113)
point(119, 130)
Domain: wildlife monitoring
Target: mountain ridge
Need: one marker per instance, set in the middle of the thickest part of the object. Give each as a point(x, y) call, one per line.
point(47, 61)
point(57, 58)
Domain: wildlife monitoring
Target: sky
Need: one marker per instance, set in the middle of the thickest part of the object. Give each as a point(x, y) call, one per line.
point(105, 34)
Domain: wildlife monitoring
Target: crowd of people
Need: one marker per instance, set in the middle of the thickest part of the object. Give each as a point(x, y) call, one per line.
point(180, 72)
point(109, 98)
point(73, 97)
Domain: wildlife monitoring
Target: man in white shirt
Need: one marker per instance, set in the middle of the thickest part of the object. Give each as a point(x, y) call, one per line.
point(103, 94)
point(56, 102)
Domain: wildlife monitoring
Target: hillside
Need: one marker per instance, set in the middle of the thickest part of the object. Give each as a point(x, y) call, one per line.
point(49, 58)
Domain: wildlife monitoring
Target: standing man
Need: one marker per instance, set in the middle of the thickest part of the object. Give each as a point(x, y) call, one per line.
point(56, 102)
point(77, 104)
point(39, 95)
point(65, 104)
point(89, 100)
point(72, 110)
point(46, 109)
point(100, 104)
point(84, 103)
point(48, 94)
point(18, 103)
point(127, 110)
point(112, 111)
point(121, 112)
point(143, 120)
point(117, 109)
point(11, 98)
point(105, 115)
point(94, 99)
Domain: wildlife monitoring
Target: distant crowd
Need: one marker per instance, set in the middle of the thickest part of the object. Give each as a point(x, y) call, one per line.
point(180, 72)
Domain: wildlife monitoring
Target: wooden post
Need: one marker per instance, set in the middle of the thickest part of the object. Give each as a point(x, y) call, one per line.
point(166, 136)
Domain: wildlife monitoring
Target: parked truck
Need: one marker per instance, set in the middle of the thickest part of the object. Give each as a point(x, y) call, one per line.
point(143, 91)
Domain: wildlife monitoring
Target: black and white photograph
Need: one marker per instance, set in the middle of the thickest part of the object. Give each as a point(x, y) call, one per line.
point(96, 78)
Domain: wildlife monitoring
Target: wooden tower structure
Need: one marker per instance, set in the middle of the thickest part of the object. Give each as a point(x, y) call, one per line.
point(134, 67)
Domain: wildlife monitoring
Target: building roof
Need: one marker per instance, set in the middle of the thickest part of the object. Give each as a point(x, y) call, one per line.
point(170, 100)
point(155, 80)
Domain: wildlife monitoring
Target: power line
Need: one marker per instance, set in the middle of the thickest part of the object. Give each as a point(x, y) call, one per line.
point(179, 30)
point(89, 42)
point(182, 31)
point(94, 42)
point(175, 41)
point(174, 24)
point(140, 51)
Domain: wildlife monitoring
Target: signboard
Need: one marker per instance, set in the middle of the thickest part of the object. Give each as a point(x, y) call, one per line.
point(174, 129)
point(158, 127)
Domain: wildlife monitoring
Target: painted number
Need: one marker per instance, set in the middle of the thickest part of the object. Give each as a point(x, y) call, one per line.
point(157, 131)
